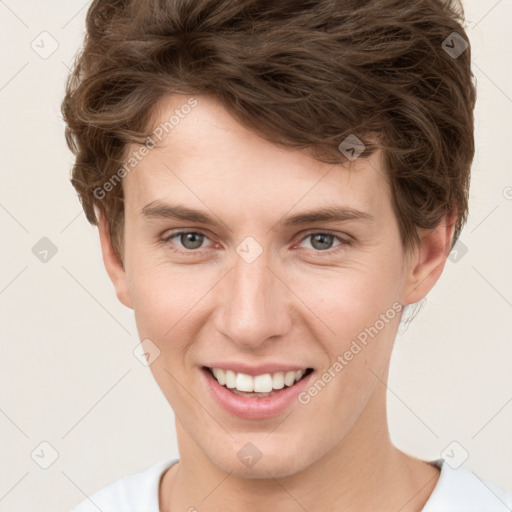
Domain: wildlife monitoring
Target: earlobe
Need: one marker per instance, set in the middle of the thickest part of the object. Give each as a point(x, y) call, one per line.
point(113, 265)
point(428, 259)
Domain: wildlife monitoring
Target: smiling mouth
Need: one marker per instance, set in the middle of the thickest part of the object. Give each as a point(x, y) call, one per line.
point(257, 386)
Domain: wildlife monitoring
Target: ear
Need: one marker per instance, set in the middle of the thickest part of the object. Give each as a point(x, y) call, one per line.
point(113, 264)
point(427, 260)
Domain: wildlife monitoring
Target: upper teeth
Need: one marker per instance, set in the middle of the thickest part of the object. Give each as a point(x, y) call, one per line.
point(259, 383)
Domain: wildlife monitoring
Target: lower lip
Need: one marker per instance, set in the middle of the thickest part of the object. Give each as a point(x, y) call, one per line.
point(253, 408)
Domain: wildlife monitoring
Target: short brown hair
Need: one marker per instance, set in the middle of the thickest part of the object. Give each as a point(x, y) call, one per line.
point(303, 74)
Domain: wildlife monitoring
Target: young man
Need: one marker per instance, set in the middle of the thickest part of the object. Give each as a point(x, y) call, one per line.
point(273, 182)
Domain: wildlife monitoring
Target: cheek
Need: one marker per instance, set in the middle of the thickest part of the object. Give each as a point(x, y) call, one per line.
point(364, 316)
point(356, 315)
point(167, 303)
point(164, 295)
point(347, 300)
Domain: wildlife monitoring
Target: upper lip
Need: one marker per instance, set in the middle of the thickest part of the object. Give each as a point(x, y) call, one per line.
point(253, 369)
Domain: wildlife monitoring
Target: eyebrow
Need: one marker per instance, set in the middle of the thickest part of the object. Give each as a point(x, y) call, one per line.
point(158, 210)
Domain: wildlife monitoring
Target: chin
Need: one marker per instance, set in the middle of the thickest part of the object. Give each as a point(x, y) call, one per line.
point(250, 463)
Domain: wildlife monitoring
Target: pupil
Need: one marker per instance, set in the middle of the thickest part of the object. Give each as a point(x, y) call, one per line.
point(325, 241)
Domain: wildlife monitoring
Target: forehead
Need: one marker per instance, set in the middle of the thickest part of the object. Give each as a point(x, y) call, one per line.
point(206, 156)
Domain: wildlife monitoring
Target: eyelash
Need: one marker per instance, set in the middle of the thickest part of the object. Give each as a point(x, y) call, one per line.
point(343, 242)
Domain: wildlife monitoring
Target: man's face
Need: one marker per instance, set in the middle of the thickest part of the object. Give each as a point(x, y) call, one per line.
point(255, 292)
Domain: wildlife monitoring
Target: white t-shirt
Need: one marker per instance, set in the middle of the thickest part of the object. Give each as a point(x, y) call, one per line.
point(457, 490)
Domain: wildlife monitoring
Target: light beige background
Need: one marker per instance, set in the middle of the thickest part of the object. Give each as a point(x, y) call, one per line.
point(68, 374)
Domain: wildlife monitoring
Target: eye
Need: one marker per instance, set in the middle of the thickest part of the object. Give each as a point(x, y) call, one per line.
point(189, 240)
point(322, 241)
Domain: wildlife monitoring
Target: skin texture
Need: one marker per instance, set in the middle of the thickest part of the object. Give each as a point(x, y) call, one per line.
point(294, 304)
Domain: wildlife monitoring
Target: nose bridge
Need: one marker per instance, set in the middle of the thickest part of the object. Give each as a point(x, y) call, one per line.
point(254, 308)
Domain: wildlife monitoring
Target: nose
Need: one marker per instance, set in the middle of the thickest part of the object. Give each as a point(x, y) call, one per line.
point(254, 305)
